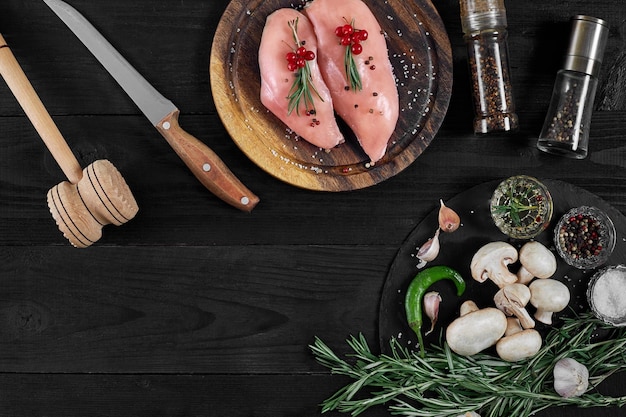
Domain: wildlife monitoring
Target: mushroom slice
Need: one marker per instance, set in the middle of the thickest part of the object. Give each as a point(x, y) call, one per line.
point(491, 262)
point(512, 301)
point(537, 261)
point(548, 296)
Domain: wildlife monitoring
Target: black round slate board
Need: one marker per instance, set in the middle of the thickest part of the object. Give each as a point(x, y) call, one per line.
point(458, 248)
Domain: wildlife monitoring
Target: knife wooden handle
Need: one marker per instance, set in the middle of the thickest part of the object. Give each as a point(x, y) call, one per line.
point(26, 95)
point(206, 165)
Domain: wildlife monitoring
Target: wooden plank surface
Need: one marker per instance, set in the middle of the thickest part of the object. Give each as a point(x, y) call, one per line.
point(195, 308)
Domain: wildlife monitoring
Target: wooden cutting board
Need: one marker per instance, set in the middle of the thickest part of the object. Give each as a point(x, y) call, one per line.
point(419, 50)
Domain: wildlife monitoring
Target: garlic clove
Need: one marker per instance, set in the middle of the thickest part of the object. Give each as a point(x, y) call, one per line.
point(449, 221)
point(571, 378)
point(429, 250)
point(431, 302)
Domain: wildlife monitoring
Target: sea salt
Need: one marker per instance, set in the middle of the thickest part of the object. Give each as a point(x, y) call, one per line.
point(608, 295)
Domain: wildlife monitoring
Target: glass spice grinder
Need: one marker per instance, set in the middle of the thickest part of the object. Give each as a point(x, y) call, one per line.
point(484, 26)
point(565, 130)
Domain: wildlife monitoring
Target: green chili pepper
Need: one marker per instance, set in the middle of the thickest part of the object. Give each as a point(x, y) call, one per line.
point(418, 287)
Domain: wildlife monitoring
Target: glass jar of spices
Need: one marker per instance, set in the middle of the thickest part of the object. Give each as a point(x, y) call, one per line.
point(485, 28)
point(566, 127)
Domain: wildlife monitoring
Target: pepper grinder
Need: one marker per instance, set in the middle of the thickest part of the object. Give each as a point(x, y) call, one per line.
point(484, 25)
point(566, 127)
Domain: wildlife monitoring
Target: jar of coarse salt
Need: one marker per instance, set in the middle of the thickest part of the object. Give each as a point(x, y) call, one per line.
point(606, 294)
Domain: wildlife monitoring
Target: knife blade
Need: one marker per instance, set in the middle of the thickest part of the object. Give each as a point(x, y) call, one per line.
point(208, 168)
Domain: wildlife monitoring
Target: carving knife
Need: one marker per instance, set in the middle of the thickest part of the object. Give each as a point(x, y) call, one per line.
point(162, 113)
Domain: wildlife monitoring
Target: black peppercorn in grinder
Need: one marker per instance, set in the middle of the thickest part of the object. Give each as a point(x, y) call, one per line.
point(566, 127)
point(485, 27)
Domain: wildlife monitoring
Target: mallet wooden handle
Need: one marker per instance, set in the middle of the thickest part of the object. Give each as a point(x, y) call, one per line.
point(37, 113)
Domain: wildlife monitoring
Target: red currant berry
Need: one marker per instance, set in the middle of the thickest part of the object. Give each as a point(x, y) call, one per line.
point(309, 55)
point(300, 62)
point(291, 56)
point(347, 29)
point(339, 31)
point(356, 48)
point(362, 35)
point(292, 66)
point(301, 51)
point(346, 40)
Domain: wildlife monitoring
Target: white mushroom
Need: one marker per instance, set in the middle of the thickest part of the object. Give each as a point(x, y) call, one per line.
point(476, 330)
point(537, 261)
point(548, 296)
point(512, 301)
point(491, 261)
point(517, 343)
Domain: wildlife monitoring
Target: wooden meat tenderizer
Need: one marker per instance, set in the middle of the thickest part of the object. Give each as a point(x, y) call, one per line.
point(93, 197)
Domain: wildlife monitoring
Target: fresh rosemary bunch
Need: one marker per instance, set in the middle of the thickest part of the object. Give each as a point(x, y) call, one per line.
point(446, 384)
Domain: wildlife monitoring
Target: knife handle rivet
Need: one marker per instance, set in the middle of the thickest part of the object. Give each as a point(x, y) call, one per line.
point(206, 167)
point(166, 125)
point(245, 201)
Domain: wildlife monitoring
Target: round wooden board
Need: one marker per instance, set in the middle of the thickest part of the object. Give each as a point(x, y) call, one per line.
point(419, 50)
point(458, 248)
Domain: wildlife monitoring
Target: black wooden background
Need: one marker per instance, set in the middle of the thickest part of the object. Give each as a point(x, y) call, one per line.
point(194, 308)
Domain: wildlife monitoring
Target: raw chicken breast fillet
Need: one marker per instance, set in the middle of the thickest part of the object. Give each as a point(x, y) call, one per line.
point(277, 40)
point(371, 113)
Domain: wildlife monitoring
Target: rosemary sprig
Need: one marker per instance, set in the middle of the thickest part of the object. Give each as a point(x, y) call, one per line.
point(302, 87)
point(352, 71)
point(446, 384)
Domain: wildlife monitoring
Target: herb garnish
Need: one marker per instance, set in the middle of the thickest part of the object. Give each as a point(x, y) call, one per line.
point(515, 205)
point(351, 38)
point(445, 384)
point(303, 82)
